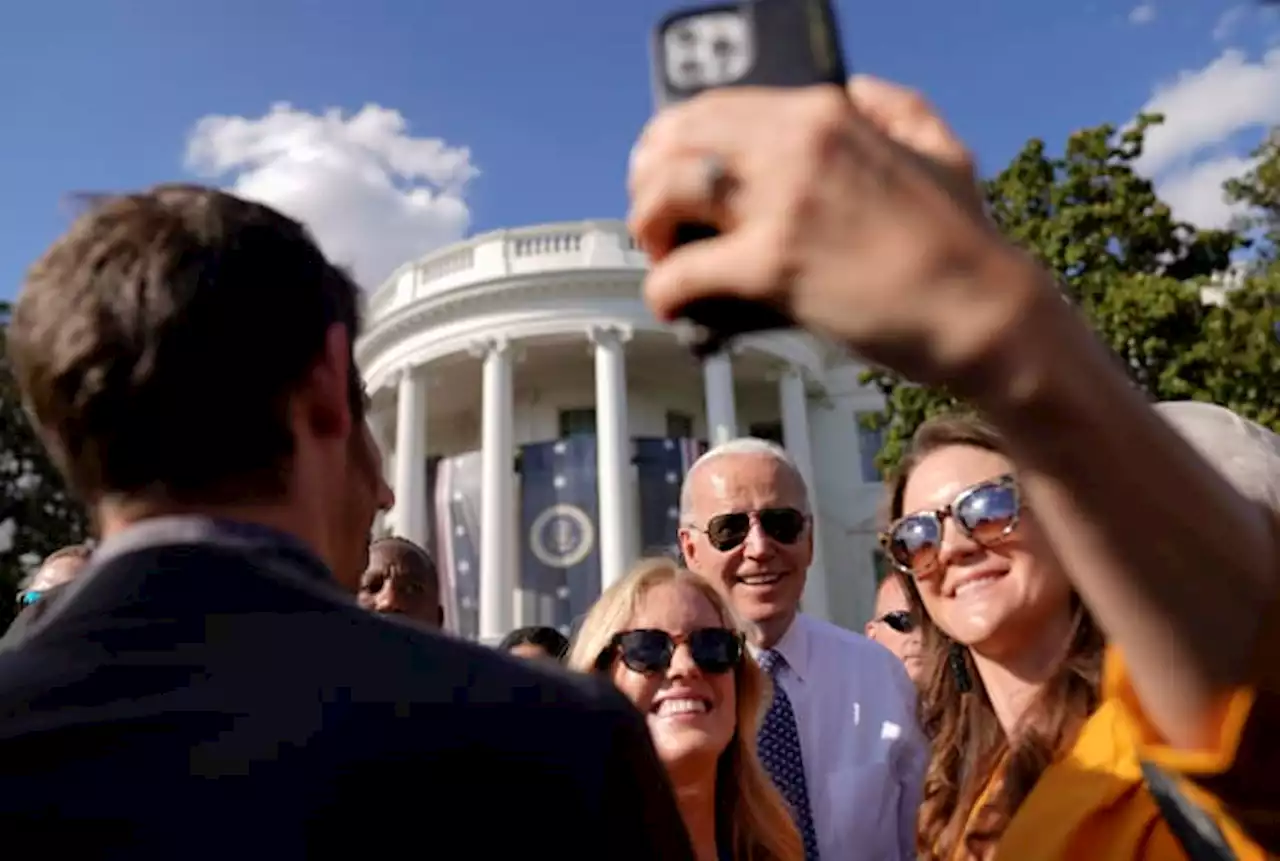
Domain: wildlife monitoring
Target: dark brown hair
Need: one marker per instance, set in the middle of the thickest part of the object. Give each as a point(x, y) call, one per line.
point(970, 749)
point(158, 341)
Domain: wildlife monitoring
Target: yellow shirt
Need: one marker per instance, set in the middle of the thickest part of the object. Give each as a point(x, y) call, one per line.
point(1093, 805)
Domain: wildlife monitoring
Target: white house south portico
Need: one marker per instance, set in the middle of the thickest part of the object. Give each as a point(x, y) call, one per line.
point(536, 423)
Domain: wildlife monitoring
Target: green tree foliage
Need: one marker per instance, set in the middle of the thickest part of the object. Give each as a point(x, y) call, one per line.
point(37, 514)
point(1259, 191)
point(1136, 273)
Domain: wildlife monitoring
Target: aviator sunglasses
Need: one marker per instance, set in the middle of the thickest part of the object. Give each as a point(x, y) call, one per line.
point(985, 512)
point(727, 531)
point(648, 650)
point(899, 620)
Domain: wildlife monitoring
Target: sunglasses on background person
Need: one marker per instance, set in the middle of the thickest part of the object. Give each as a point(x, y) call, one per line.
point(649, 650)
point(899, 620)
point(727, 531)
point(986, 512)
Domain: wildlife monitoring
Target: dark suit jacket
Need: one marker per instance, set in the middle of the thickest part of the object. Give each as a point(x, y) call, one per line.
point(205, 690)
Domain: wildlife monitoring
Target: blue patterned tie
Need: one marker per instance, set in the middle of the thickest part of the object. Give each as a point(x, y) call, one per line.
point(779, 742)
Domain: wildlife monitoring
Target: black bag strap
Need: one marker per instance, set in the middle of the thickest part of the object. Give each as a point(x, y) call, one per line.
point(1200, 836)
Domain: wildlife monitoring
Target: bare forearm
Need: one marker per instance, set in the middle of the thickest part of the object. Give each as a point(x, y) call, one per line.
point(1176, 566)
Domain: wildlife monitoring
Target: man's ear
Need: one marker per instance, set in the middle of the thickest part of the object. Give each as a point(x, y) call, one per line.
point(324, 399)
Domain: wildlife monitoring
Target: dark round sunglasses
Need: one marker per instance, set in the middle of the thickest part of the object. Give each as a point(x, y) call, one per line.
point(900, 620)
point(727, 531)
point(985, 512)
point(648, 650)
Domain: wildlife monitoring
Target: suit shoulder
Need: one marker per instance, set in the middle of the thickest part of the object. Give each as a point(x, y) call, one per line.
point(492, 677)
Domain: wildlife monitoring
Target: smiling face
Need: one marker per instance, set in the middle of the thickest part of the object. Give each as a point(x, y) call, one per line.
point(995, 598)
point(691, 714)
point(761, 576)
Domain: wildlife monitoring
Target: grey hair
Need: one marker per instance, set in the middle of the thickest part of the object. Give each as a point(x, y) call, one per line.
point(747, 445)
point(1244, 452)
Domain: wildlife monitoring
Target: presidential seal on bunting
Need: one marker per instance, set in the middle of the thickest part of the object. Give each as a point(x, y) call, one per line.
point(562, 536)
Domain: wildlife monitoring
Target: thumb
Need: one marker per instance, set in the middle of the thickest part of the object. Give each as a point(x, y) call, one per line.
point(726, 266)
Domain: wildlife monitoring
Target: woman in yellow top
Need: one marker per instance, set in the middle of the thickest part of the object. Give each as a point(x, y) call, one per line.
point(855, 214)
point(1038, 739)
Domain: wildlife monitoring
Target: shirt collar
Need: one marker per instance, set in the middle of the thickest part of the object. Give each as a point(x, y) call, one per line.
point(192, 529)
point(794, 646)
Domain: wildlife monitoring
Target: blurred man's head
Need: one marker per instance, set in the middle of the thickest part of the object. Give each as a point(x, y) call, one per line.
point(183, 350)
point(58, 569)
point(893, 626)
point(402, 579)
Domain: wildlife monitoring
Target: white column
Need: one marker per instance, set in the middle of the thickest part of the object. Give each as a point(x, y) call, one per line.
point(411, 456)
point(613, 456)
point(497, 495)
point(722, 411)
point(795, 435)
point(382, 426)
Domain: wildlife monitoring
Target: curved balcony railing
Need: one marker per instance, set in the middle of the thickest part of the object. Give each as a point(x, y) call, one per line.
point(506, 253)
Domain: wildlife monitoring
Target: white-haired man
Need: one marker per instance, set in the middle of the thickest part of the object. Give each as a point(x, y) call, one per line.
point(840, 738)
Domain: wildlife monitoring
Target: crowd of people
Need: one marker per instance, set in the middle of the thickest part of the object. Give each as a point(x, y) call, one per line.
point(1074, 654)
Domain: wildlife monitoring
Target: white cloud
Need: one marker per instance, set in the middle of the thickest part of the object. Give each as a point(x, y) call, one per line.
point(1203, 110)
point(373, 194)
point(1142, 14)
point(1195, 194)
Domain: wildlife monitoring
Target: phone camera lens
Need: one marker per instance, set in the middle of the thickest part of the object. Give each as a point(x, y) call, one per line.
point(685, 36)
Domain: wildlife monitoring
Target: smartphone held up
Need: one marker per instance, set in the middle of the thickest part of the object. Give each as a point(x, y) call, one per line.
point(754, 43)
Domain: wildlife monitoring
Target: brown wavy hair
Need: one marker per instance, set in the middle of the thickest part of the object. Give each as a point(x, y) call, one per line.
point(751, 816)
point(970, 749)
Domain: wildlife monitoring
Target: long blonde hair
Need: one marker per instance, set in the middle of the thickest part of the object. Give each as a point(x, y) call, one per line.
point(750, 812)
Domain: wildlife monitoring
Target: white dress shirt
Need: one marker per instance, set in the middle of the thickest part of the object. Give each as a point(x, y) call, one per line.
point(864, 755)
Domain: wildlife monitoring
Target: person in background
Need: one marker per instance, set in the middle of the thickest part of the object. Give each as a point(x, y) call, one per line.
point(894, 625)
point(58, 569)
point(43, 589)
point(536, 642)
point(187, 358)
point(402, 580)
point(854, 784)
point(671, 644)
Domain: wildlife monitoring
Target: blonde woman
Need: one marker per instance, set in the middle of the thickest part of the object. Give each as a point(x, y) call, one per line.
point(671, 645)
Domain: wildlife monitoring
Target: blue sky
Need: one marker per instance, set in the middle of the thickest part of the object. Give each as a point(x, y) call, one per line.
point(498, 113)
